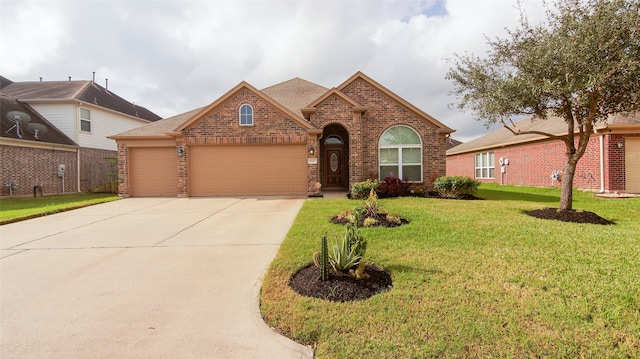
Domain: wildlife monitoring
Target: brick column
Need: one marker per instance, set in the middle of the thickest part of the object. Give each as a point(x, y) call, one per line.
point(313, 171)
point(182, 151)
point(356, 150)
point(123, 170)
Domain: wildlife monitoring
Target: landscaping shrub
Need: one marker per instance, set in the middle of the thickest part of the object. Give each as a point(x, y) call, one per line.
point(393, 187)
point(361, 190)
point(371, 206)
point(419, 190)
point(455, 186)
point(348, 252)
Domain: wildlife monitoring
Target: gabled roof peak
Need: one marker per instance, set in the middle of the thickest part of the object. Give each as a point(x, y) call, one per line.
point(240, 87)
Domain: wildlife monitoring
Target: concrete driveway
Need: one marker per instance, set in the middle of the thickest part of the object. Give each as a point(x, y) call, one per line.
point(143, 278)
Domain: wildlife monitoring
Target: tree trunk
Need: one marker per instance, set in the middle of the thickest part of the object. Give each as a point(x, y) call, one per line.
point(566, 194)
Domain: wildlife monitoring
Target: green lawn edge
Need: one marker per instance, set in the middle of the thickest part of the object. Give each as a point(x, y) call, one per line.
point(16, 209)
point(473, 279)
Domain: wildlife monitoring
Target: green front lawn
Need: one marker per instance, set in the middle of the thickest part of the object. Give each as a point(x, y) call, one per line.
point(473, 279)
point(18, 208)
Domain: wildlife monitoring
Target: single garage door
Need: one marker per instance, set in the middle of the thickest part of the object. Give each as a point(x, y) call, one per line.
point(247, 170)
point(632, 164)
point(153, 172)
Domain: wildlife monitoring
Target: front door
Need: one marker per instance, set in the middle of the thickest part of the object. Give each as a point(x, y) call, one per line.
point(333, 167)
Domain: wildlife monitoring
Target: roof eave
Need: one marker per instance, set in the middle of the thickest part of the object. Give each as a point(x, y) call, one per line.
point(37, 144)
point(139, 137)
point(500, 145)
point(82, 103)
point(619, 128)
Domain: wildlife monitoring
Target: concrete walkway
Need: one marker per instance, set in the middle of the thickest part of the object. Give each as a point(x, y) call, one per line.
point(143, 278)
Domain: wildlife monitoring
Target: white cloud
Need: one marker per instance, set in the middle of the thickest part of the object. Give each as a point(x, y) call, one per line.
point(25, 46)
point(173, 56)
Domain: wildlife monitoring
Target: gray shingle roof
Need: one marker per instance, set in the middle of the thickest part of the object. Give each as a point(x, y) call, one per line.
point(295, 94)
point(160, 128)
point(7, 129)
point(85, 91)
point(553, 125)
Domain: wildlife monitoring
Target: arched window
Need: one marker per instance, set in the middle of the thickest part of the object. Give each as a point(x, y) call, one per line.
point(400, 154)
point(333, 140)
point(246, 115)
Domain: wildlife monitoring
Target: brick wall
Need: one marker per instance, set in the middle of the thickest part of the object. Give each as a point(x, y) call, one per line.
point(615, 166)
point(335, 110)
point(123, 170)
point(382, 113)
point(221, 125)
point(37, 166)
point(273, 126)
point(532, 164)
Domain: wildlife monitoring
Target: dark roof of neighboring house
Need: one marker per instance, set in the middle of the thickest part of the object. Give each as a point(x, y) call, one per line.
point(4, 82)
point(85, 91)
point(553, 125)
point(451, 143)
point(8, 128)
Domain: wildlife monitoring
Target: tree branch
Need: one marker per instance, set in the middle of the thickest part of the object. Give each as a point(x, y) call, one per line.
point(516, 131)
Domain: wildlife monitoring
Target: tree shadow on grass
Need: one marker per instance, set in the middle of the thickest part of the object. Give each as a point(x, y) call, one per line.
point(517, 196)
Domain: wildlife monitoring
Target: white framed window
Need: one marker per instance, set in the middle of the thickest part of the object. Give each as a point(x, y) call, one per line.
point(400, 154)
point(246, 115)
point(485, 166)
point(85, 120)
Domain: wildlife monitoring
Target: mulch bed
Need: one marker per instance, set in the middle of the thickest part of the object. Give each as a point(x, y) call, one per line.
point(340, 287)
point(569, 216)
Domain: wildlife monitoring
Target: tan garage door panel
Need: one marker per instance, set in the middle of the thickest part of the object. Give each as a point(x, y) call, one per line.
point(247, 170)
point(153, 172)
point(632, 164)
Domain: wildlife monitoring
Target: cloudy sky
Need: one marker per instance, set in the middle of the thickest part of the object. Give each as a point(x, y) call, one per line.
point(174, 56)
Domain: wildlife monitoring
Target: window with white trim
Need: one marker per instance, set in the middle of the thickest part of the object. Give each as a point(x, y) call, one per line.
point(485, 167)
point(85, 120)
point(400, 154)
point(246, 115)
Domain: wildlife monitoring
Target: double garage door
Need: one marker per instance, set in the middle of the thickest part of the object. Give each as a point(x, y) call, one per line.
point(220, 170)
point(247, 170)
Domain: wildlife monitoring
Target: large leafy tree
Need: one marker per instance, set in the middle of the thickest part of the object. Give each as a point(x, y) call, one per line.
point(581, 64)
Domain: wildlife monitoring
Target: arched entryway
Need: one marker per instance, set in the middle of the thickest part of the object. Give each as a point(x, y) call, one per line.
point(334, 148)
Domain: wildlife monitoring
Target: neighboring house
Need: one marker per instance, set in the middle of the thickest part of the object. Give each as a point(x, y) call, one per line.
point(77, 117)
point(293, 138)
point(451, 143)
point(611, 162)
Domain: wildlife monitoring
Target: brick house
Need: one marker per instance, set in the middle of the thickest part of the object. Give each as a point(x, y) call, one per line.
point(293, 138)
point(611, 162)
point(63, 124)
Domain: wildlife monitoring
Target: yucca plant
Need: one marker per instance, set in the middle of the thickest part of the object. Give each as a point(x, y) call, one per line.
point(343, 258)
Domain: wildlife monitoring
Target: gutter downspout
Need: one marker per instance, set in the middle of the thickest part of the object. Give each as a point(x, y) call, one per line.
point(78, 168)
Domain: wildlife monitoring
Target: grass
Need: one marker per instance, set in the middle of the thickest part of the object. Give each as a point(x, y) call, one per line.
point(14, 209)
point(473, 279)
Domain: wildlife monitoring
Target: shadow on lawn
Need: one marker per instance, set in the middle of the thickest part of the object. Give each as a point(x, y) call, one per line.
point(517, 196)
